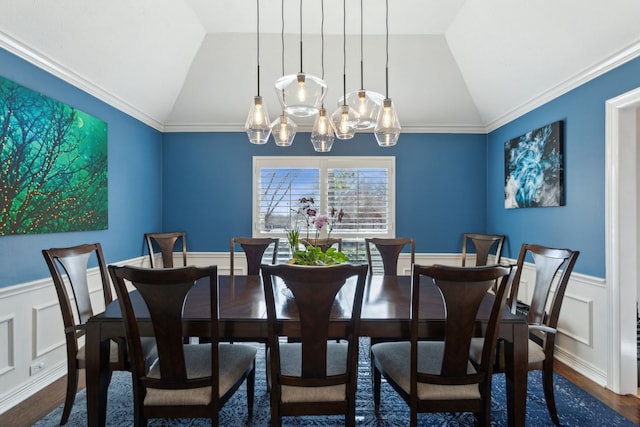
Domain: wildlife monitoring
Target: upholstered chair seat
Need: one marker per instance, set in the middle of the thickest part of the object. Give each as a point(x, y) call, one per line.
point(291, 364)
point(234, 362)
point(394, 357)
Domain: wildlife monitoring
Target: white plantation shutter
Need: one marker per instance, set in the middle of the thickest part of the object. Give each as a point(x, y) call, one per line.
point(363, 187)
point(363, 195)
point(280, 190)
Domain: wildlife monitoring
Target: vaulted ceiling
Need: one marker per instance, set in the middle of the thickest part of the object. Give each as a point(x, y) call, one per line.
point(454, 65)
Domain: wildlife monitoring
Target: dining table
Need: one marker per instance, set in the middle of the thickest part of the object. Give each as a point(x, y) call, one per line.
point(242, 314)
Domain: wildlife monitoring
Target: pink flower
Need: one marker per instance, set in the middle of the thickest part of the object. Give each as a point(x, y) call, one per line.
point(320, 221)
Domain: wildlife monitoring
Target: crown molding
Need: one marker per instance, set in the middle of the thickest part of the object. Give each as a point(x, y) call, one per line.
point(41, 61)
point(238, 127)
point(625, 55)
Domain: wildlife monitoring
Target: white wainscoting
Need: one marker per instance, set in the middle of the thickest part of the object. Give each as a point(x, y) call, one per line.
point(31, 324)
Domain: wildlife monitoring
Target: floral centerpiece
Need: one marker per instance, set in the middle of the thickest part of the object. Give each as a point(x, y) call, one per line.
point(313, 255)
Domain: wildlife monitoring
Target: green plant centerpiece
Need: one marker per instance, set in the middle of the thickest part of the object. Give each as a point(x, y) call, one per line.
point(313, 255)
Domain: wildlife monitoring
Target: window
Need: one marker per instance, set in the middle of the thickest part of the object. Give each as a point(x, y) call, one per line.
point(364, 187)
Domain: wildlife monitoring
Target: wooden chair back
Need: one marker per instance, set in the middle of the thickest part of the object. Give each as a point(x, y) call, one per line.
point(164, 292)
point(254, 249)
point(72, 263)
point(166, 243)
point(69, 268)
point(463, 289)
point(484, 245)
point(314, 291)
point(323, 244)
point(553, 267)
point(389, 250)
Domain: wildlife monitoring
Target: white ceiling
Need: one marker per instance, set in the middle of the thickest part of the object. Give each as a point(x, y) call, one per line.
point(454, 65)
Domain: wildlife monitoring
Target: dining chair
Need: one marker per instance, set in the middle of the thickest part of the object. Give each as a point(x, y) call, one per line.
point(437, 376)
point(254, 249)
point(553, 269)
point(484, 245)
point(69, 271)
point(166, 243)
point(185, 380)
point(316, 372)
point(323, 244)
point(389, 250)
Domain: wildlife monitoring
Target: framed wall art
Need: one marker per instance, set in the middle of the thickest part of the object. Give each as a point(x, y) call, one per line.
point(53, 160)
point(533, 168)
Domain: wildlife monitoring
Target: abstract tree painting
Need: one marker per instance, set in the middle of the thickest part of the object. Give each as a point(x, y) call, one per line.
point(533, 164)
point(53, 161)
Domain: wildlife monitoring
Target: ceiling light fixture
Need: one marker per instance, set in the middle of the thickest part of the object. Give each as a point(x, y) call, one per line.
point(257, 125)
point(344, 119)
point(283, 128)
point(366, 103)
point(300, 94)
point(322, 133)
point(387, 130)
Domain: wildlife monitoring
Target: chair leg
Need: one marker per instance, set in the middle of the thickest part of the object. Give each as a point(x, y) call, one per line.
point(251, 380)
point(414, 418)
point(377, 383)
point(547, 386)
point(350, 416)
point(72, 389)
point(139, 419)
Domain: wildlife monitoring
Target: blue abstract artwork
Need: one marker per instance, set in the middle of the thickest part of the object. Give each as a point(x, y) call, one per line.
point(533, 166)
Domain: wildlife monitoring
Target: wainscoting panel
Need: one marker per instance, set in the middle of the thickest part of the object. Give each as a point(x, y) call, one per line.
point(7, 348)
point(578, 326)
point(47, 318)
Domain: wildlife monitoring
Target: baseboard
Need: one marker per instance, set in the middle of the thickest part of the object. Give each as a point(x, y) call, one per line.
point(31, 387)
point(581, 366)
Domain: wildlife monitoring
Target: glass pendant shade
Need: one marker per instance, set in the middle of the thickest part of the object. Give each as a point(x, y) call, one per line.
point(367, 104)
point(322, 134)
point(345, 121)
point(301, 94)
point(258, 126)
point(283, 130)
point(387, 130)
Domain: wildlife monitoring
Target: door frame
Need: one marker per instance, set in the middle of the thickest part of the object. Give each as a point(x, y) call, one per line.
point(621, 231)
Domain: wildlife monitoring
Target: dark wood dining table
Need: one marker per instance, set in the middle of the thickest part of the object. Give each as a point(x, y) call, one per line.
point(385, 314)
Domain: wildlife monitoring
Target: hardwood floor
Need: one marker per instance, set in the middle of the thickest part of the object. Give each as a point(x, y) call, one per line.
point(40, 404)
point(43, 402)
point(627, 405)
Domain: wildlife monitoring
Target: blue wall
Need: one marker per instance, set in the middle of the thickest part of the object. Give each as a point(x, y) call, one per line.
point(135, 182)
point(580, 224)
point(446, 183)
point(440, 185)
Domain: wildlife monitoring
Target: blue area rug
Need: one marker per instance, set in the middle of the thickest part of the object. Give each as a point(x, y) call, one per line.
point(575, 406)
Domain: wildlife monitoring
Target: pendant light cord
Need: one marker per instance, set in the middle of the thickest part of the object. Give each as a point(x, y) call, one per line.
point(387, 47)
point(282, 43)
point(322, 44)
point(301, 36)
point(361, 45)
point(258, 41)
point(344, 53)
point(282, 35)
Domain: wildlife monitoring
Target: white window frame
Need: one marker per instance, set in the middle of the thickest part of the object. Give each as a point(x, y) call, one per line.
point(325, 163)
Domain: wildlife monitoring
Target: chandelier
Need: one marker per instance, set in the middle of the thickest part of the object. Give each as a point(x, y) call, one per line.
point(302, 95)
